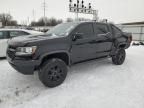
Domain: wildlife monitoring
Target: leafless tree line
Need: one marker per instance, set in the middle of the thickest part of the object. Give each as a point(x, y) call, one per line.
point(7, 20)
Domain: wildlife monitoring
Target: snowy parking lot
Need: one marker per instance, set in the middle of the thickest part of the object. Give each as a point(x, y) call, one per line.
point(93, 84)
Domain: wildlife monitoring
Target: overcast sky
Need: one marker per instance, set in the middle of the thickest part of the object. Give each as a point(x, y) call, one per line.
point(118, 11)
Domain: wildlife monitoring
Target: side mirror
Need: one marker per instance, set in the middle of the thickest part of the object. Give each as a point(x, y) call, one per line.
point(77, 36)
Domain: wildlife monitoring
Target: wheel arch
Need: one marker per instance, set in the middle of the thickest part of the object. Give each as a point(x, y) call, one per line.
point(63, 55)
point(122, 46)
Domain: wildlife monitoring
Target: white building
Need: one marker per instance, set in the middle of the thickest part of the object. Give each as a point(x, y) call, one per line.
point(136, 28)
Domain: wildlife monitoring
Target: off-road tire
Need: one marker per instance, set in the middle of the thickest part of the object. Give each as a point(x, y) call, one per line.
point(119, 57)
point(53, 72)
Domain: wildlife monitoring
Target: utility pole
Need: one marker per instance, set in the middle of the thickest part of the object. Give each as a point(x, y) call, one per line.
point(44, 10)
point(27, 21)
point(33, 14)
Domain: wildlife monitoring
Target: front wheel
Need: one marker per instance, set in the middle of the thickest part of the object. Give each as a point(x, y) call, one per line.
point(119, 57)
point(53, 72)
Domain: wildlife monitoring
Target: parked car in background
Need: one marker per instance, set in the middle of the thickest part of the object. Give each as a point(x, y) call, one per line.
point(6, 34)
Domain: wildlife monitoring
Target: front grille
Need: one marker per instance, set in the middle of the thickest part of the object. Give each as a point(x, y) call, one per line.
point(11, 52)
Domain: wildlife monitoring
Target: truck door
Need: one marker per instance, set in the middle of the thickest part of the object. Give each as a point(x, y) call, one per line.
point(102, 40)
point(81, 46)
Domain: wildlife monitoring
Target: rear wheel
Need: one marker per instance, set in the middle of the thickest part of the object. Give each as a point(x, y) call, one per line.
point(119, 57)
point(53, 72)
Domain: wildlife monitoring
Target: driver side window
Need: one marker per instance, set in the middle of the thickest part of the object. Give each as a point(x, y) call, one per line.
point(86, 30)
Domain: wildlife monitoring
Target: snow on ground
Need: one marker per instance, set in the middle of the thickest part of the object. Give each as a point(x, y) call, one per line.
point(94, 84)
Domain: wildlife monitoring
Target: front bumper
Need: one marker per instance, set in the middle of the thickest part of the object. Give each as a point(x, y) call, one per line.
point(25, 67)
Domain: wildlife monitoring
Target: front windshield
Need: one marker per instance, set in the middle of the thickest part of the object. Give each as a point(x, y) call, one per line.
point(62, 29)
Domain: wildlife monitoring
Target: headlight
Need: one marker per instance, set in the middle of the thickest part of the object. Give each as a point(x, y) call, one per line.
point(21, 51)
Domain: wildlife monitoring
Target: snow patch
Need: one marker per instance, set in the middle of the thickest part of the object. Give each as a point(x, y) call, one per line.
point(93, 84)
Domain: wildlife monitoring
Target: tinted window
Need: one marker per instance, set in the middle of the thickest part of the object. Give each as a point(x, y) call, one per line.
point(100, 29)
point(85, 29)
point(3, 35)
point(116, 31)
point(17, 33)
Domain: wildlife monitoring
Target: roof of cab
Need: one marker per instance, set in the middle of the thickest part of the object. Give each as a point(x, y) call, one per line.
point(83, 22)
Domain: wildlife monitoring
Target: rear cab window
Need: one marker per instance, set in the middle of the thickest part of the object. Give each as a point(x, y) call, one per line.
point(100, 28)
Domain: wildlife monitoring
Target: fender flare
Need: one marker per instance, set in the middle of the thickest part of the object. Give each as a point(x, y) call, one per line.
point(55, 52)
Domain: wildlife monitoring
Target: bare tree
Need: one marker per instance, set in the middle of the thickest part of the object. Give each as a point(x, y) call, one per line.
point(49, 22)
point(54, 22)
point(84, 19)
point(41, 21)
point(59, 21)
point(12, 23)
point(5, 18)
point(33, 23)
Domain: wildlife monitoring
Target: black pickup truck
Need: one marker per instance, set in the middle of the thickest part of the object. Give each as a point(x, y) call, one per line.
point(65, 45)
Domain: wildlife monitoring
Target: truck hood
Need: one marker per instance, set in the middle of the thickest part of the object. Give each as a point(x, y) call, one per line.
point(23, 40)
